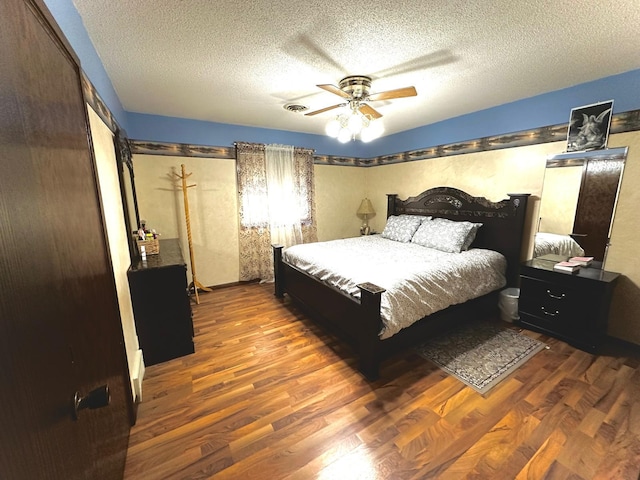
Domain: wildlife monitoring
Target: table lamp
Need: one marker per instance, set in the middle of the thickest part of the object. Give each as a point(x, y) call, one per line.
point(365, 210)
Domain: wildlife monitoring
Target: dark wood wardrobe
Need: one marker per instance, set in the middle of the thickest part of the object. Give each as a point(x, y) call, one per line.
point(60, 329)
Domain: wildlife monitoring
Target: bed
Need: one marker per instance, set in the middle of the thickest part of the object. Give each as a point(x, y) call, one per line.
point(552, 243)
point(359, 317)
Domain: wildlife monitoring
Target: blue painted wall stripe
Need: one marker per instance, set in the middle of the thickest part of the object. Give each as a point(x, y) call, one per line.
point(547, 109)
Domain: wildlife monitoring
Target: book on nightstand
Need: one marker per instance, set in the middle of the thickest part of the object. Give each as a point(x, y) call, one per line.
point(567, 266)
point(583, 261)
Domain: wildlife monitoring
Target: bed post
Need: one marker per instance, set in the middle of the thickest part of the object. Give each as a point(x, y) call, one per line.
point(519, 204)
point(391, 204)
point(278, 276)
point(370, 296)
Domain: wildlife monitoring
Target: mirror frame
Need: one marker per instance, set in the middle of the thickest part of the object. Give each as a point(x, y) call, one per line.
point(581, 159)
point(127, 179)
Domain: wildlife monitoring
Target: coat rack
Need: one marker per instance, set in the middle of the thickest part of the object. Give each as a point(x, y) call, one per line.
point(195, 284)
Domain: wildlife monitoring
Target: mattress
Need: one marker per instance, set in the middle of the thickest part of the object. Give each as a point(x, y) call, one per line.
point(418, 280)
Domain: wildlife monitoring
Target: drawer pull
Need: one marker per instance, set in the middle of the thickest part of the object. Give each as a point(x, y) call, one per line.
point(557, 297)
point(551, 314)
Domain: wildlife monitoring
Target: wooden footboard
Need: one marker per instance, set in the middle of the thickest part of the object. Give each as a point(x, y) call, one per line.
point(333, 308)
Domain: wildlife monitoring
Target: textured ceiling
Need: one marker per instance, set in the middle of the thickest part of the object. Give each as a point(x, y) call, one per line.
point(240, 62)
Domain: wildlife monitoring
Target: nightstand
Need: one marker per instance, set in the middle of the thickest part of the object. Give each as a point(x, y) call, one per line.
point(573, 307)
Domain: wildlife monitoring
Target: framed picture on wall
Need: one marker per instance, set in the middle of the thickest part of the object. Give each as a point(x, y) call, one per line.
point(589, 127)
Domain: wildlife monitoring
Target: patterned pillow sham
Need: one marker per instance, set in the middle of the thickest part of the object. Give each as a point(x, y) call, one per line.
point(401, 228)
point(446, 235)
point(421, 217)
point(471, 236)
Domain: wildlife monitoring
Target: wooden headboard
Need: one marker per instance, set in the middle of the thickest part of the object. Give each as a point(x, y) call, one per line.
point(502, 222)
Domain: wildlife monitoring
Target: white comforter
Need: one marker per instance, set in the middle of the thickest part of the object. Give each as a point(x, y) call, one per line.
point(546, 243)
point(419, 281)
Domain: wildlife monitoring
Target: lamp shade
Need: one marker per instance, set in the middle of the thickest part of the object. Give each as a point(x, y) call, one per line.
point(365, 208)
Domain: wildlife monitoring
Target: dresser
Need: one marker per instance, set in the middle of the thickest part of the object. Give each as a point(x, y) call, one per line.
point(573, 307)
point(161, 304)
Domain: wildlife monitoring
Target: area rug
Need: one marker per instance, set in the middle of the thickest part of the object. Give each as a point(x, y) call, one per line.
point(480, 354)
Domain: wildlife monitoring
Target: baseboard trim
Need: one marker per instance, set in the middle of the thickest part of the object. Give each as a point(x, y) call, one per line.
point(138, 376)
point(232, 284)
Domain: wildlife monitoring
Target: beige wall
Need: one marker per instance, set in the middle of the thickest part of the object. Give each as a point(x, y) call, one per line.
point(624, 321)
point(491, 174)
point(213, 210)
point(339, 191)
point(111, 199)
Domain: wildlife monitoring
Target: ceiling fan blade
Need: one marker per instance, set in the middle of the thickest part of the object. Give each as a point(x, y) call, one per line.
point(322, 110)
point(335, 90)
point(397, 93)
point(367, 110)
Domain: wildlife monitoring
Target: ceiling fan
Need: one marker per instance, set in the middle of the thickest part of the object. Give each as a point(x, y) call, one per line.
point(355, 89)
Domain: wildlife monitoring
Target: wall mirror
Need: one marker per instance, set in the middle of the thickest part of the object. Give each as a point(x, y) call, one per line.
point(127, 190)
point(578, 202)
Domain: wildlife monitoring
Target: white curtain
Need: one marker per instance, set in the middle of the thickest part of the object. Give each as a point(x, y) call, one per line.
point(284, 206)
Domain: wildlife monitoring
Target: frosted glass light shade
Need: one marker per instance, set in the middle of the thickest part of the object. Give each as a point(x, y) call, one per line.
point(351, 124)
point(344, 136)
point(355, 124)
point(373, 131)
point(333, 128)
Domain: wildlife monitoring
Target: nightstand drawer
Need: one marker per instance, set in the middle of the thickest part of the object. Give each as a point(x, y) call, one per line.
point(549, 320)
point(538, 296)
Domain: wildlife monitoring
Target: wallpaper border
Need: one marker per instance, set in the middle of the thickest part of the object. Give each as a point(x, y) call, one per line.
point(620, 122)
point(94, 100)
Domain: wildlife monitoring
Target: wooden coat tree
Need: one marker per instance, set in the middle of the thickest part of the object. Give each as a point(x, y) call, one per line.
point(195, 284)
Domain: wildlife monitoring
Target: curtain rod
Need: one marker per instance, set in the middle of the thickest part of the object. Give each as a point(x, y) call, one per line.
point(310, 151)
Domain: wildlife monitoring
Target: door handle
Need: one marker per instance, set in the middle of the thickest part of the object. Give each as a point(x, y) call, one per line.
point(96, 398)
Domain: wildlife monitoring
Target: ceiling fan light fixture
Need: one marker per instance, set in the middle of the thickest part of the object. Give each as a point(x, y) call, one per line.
point(366, 136)
point(359, 118)
point(352, 124)
point(373, 131)
point(345, 135)
point(333, 128)
point(355, 123)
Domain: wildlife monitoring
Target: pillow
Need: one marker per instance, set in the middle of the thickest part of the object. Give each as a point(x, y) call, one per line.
point(446, 235)
point(421, 217)
point(471, 236)
point(401, 228)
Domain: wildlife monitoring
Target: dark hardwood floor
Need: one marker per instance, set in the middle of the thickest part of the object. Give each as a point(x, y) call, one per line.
point(268, 395)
